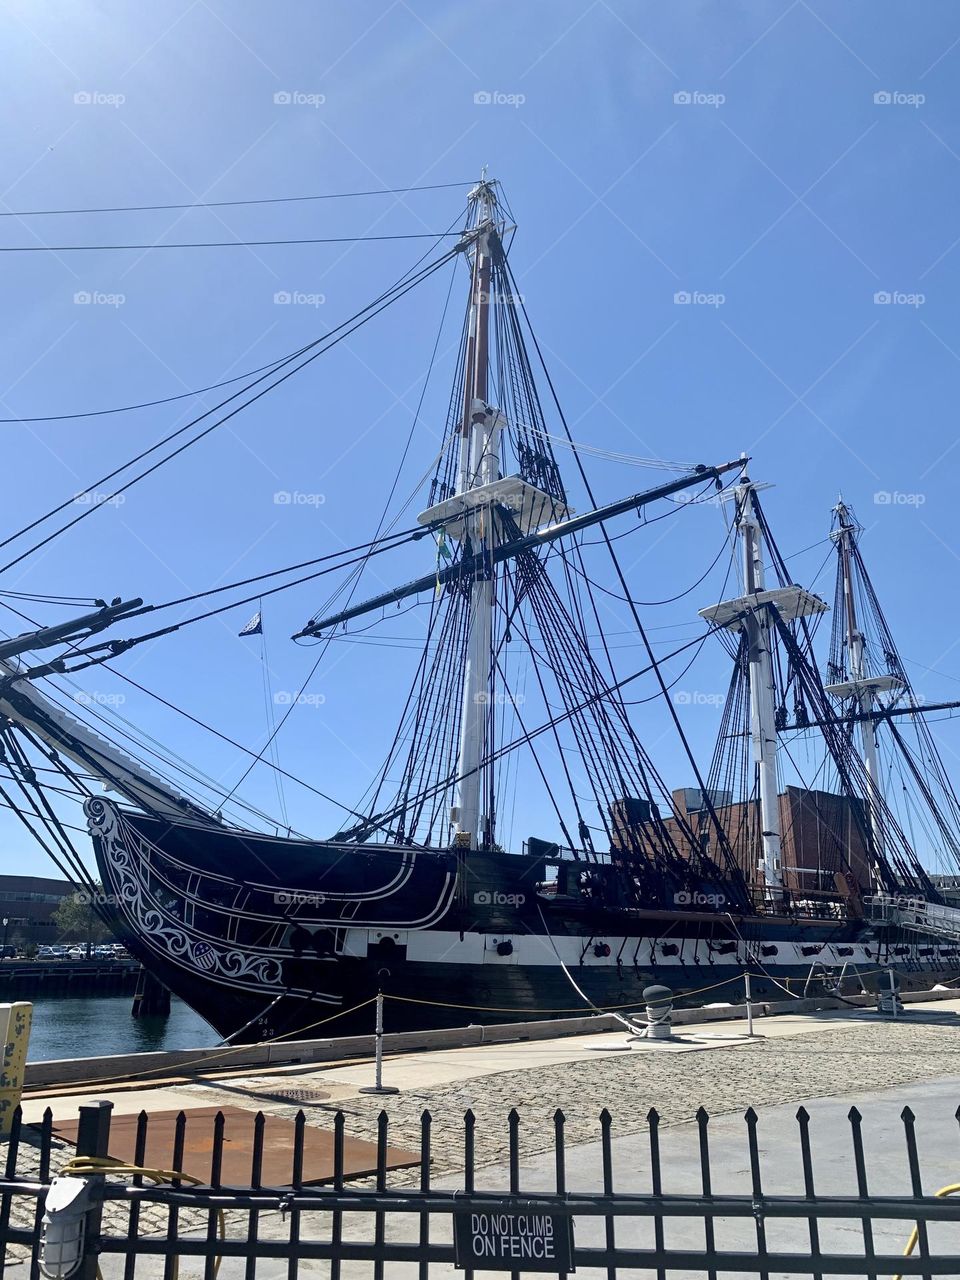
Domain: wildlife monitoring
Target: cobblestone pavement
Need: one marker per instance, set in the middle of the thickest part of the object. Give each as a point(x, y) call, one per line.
point(857, 1056)
point(786, 1069)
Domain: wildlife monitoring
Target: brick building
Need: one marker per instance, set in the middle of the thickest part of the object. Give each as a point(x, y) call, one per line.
point(821, 834)
point(27, 903)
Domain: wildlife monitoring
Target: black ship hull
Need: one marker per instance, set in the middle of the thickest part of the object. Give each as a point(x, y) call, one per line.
point(275, 938)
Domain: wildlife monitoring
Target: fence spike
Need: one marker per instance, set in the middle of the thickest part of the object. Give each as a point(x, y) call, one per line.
point(256, 1156)
point(383, 1121)
point(426, 1121)
point(469, 1127)
point(803, 1115)
point(653, 1116)
point(299, 1133)
point(46, 1144)
point(513, 1125)
point(179, 1136)
point(559, 1150)
point(216, 1154)
point(339, 1125)
point(854, 1115)
point(709, 1231)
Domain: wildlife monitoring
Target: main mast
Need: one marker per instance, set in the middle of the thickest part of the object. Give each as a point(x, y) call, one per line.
point(752, 613)
point(479, 465)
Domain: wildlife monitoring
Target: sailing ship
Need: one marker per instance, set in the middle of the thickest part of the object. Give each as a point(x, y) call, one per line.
point(274, 935)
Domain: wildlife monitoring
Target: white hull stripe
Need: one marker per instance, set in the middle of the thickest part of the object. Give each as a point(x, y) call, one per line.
point(438, 946)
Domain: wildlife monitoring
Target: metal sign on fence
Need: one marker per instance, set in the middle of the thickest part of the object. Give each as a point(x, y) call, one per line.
point(509, 1239)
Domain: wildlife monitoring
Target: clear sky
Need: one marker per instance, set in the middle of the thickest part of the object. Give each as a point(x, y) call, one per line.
point(793, 166)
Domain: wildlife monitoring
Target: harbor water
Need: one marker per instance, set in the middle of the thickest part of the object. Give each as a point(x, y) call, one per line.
point(87, 1027)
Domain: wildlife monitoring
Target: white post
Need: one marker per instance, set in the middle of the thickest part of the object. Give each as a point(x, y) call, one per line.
point(378, 1086)
point(749, 1000)
point(763, 730)
point(893, 994)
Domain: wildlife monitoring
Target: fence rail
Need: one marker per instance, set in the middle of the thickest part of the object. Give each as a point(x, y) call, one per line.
point(395, 1230)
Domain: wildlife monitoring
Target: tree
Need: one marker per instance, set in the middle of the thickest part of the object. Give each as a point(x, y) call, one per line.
point(76, 918)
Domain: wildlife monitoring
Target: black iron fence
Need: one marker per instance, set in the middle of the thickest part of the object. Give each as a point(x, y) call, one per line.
point(417, 1223)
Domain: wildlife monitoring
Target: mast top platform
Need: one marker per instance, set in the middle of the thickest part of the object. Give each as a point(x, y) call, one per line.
point(864, 684)
point(530, 507)
point(790, 602)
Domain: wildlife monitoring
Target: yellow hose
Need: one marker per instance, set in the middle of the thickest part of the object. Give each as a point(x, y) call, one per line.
point(951, 1190)
point(84, 1166)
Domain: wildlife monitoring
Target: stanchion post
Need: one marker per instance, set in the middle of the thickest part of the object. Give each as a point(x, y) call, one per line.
point(748, 997)
point(378, 1086)
point(893, 993)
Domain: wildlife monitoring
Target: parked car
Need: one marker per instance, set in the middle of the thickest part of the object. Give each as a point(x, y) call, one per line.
point(7, 951)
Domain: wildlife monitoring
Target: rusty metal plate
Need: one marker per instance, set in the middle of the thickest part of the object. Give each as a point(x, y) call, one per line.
point(359, 1157)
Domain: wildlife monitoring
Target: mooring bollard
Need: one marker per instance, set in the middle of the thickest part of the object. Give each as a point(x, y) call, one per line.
point(888, 1001)
point(378, 1086)
point(659, 1002)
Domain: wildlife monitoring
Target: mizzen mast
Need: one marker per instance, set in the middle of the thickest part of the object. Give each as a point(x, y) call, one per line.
point(861, 687)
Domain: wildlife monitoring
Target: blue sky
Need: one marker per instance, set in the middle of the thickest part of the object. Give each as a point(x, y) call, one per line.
point(789, 161)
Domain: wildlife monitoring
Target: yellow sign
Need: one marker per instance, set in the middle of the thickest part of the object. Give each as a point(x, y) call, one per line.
point(15, 1020)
